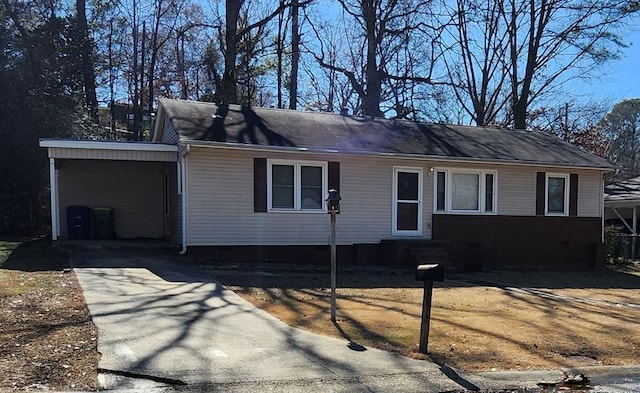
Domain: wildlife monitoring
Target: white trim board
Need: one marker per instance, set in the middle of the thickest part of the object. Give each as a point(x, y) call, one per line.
point(107, 145)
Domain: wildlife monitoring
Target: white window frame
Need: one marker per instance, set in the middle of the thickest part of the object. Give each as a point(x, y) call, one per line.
point(564, 176)
point(482, 191)
point(394, 218)
point(297, 184)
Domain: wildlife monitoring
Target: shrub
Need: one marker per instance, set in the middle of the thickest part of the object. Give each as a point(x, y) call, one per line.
point(612, 246)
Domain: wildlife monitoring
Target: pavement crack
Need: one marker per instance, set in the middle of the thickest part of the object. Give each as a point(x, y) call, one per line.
point(128, 374)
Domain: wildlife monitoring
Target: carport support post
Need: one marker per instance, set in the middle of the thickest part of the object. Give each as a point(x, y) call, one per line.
point(426, 316)
point(55, 208)
point(635, 232)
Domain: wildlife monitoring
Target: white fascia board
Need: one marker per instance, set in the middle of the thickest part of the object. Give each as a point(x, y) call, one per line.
point(99, 145)
point(236, 146)
point(625, 203)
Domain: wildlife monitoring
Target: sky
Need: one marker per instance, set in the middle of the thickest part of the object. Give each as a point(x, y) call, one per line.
point(621, 78)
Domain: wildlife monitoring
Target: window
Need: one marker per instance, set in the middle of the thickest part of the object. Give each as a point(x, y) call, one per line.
point(465, 191)
point(557, 195)
point(440, 191)
point(297, 186)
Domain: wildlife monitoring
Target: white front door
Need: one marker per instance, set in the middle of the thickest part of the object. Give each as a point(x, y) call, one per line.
point(407, 201)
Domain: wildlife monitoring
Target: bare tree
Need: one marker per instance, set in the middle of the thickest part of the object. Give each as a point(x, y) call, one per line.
point(332, 90)
point(386, 31)
point(234, 34)
point(295, 54)
point(622, 128)
point(476, 62)
point(578, 123)
point(86, 53)
point(513, 52)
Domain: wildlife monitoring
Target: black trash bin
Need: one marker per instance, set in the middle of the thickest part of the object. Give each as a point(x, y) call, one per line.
point(78, 222)
point(103, 218)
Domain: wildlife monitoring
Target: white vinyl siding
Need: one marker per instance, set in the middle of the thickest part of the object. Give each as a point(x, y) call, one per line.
point(516, 188)
point(221, 209)
point(221, 201)
point(589, 194)
point(112, 154)
point(133, 189)
point(169, 134)
point(516, 191)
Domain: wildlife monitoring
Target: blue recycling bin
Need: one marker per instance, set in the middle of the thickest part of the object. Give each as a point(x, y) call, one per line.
point(78, 222)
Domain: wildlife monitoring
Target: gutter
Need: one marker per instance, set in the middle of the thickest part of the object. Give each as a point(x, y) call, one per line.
point(465, 160)
point(106, 145)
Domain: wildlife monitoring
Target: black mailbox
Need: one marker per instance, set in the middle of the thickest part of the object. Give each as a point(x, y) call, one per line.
point(333, 202)
point(427, 274)
point(434, 272)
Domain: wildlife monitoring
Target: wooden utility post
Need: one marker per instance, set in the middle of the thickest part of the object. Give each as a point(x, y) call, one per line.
point(333, 267)
point(333, 208)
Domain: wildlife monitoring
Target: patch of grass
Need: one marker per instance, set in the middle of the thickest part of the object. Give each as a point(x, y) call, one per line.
point(6, 248)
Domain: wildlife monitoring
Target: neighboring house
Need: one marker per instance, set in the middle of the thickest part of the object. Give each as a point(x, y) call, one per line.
point(622, 205)
point(250, 183)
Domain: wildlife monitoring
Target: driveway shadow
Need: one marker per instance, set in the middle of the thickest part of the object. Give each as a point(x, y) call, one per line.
point(162, 317)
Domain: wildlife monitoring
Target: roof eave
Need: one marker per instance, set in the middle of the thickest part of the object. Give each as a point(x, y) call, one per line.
point(239, 146)
point(106, 145)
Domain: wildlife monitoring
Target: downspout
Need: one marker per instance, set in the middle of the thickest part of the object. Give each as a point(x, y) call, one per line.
point(185, 200)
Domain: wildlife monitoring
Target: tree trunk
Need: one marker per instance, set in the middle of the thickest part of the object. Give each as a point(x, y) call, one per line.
point(279, 53)
point(154, 57)
point(371, 100)
point(295, 56)
point(229, 91)
point(183, 72)
point(86, 52)
point(139, 115)
point(136, 95)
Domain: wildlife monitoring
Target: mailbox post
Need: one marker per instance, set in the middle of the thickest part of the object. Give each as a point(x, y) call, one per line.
point(428, 274)
point(333, 208)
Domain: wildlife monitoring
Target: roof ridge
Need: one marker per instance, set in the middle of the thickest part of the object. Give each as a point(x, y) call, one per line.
point(355, 117)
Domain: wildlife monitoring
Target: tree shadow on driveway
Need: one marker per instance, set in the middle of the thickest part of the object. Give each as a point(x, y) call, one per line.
point(161, 316)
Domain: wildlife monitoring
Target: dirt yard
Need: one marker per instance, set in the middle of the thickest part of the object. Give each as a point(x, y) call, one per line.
point(47, 339)
point(483, 321)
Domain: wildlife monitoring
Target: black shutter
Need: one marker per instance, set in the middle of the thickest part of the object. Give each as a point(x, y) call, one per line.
point(260, 185)
point(540, 190)
point(573, 194)
point(334, 175)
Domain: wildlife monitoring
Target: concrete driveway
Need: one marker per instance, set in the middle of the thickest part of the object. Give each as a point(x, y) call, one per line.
point(163, 322)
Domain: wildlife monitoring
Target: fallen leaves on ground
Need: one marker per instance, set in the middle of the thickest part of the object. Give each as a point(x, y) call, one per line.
point(47, 338)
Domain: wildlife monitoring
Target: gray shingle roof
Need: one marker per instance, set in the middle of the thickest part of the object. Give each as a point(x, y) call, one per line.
point(233, 124)
point(628, 190)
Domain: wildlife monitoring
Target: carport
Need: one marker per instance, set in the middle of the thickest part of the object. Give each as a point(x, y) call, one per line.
point(622, 204)
point(137, 180)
